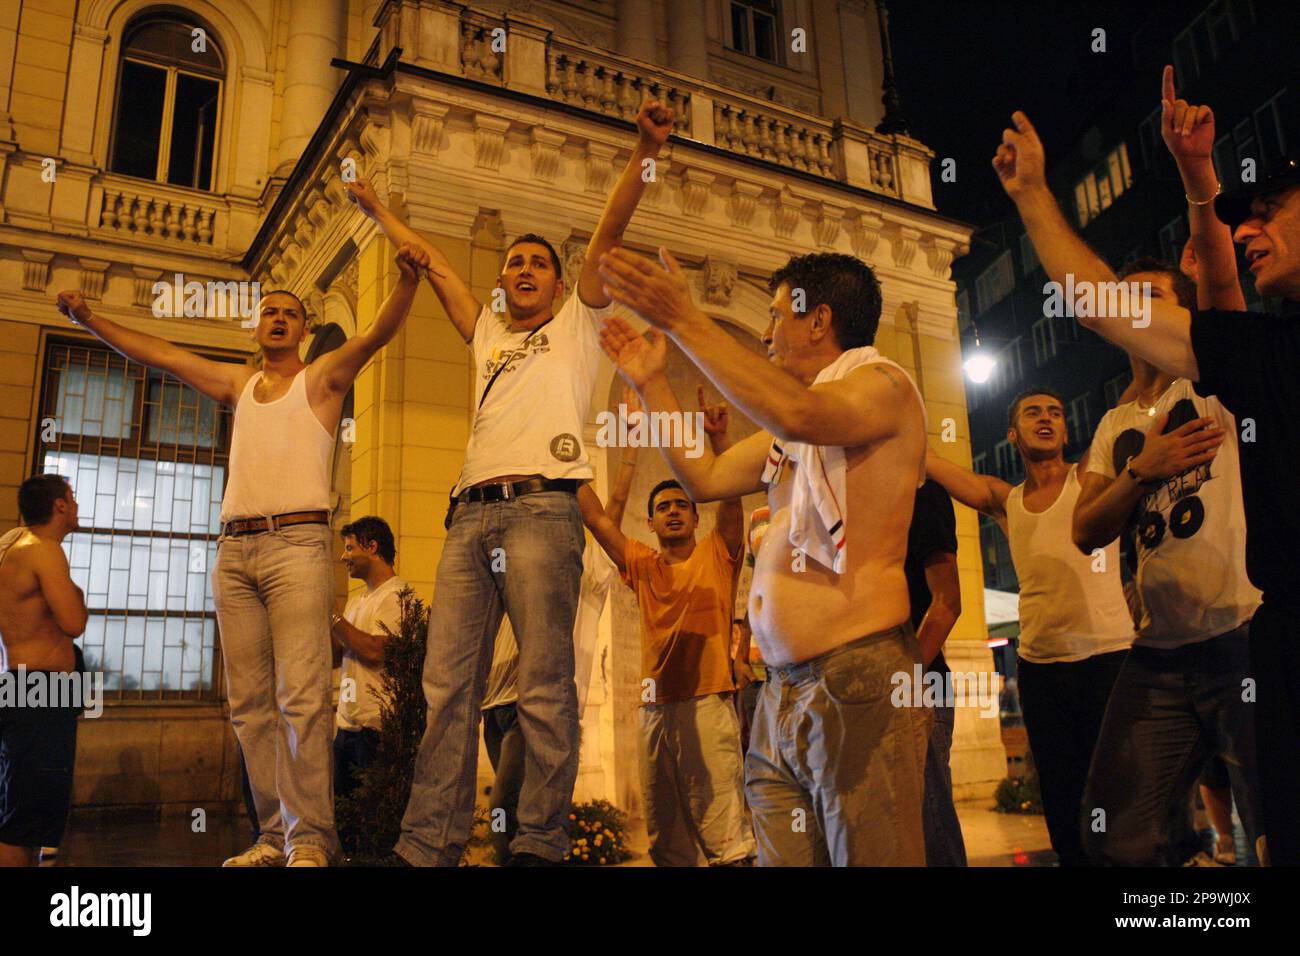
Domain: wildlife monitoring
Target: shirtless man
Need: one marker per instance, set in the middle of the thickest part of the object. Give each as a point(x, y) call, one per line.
point(273, 583)
point(41, 611)
point(831, 616)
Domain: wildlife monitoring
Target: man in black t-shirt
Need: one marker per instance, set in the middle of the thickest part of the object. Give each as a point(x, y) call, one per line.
point(1252, 363)
point(935, 592)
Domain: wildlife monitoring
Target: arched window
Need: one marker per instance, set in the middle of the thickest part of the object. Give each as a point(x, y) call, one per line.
point(168, 102)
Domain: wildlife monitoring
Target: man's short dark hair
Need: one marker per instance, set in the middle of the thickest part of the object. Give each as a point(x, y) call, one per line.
point(371, 530)
point(1014, 408)
point(541, 241)
point(663, 486)
point(37, 495)
point(1184, 287)
point(845, 283)
point(302, 307)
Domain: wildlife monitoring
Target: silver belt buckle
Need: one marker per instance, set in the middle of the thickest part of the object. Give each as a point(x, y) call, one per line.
point(506, 491)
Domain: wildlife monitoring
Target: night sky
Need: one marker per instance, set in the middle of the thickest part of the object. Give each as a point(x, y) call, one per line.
point(963, 66)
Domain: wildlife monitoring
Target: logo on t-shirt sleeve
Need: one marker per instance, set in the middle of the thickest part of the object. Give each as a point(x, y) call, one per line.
point(565, 447)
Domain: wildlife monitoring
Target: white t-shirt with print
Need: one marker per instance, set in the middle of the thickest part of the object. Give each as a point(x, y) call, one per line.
point(532, 421)
point(358, 707)
point(1190, 529)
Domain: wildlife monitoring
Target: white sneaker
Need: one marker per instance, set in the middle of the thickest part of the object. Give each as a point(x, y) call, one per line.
point(307, 856)
point(259, 854)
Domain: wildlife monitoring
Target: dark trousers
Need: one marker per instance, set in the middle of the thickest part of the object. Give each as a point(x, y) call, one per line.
point(353, 751)
point(505, 746)
point(1170, 710)
point(1275, 660)
point(944, 845)
point(1063, 706)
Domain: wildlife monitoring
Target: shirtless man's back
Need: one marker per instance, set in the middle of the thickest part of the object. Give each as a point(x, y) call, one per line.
point(41, 611)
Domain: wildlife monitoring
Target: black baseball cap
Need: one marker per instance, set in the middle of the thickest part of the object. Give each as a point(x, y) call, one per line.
point(1234, 208)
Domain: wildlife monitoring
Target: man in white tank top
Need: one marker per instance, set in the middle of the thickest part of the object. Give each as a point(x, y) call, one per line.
point(1075, 626)
point(514, 534)
point(274, 583)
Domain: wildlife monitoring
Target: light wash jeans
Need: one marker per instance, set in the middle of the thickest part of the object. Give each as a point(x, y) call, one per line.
point(535, 542)
point(274, 592)
point(692, 781)
point(835, 773)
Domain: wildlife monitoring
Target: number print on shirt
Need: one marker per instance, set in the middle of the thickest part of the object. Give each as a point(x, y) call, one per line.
point(1170, 505)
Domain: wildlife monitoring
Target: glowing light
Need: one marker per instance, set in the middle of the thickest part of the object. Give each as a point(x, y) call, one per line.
point(979, 367)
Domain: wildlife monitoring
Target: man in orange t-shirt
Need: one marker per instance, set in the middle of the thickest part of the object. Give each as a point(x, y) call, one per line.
point(691, 763)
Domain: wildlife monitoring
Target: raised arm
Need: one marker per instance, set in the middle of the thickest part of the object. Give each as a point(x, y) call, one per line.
point(866, 405)
point(337, 370)
point(1188, 132)
point(66, 602)
point(987, 494)
point(705, 476)
point(220, 381)
point(1163, 337)
point(602, 526)
point(457, 300)
point(654, 124)
point(730, 519)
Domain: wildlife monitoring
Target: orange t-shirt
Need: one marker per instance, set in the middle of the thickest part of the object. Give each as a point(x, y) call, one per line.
point(685, 619)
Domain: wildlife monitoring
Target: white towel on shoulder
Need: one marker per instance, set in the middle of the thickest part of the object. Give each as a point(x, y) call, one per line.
point(818, 506)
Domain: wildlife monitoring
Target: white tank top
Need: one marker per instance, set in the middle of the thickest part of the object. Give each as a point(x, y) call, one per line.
point(280, 455)
point(1068, 611)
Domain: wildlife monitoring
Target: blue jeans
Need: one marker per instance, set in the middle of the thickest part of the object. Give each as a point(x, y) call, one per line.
point(521, 557)
point(1170, 710)
point(274, 592)
point(944, 845)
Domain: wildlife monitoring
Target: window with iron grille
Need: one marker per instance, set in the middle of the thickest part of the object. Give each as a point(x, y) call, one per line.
point(147, 459)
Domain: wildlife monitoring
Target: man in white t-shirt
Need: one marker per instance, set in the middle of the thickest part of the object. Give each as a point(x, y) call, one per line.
point(514, 534)
point(1167, 466)
point(359, 636)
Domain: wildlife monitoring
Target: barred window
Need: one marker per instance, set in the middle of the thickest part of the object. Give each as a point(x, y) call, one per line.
point(147, 458)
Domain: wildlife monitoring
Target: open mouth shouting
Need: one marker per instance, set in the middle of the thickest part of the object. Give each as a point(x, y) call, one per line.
point(1046, 432)
point(1254, 257)
point(278, 332)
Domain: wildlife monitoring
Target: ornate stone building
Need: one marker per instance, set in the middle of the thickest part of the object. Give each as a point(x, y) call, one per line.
point(147, 157)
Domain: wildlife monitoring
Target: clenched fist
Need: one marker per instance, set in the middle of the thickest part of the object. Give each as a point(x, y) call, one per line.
point(73, 305)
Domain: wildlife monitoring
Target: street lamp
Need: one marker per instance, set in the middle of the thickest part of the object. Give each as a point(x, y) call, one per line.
point(980, 365)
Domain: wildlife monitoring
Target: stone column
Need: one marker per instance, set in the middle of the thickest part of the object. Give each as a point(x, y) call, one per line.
point(688, 38)
point(636, 29)
point(316, 31)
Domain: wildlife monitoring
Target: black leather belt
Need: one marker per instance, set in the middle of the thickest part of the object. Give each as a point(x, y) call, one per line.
point(238, 526)
point(506, 490)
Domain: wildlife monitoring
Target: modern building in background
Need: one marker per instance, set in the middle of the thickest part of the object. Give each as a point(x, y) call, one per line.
point(1118, 184)
point(142, 142)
